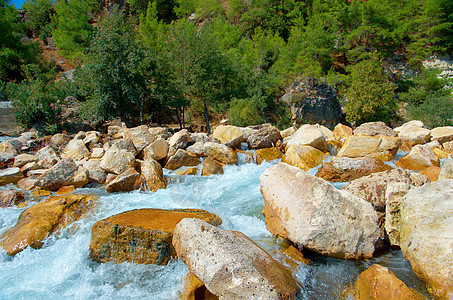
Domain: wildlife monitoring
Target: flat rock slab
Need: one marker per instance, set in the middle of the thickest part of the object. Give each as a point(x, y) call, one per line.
point(50, 216)
point(230, 264)
point(426, 235)
point(141, 236)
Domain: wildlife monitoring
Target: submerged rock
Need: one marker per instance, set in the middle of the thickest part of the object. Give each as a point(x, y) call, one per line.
point(142, 236)
point(313, 214)
point(230, 264)
point(48, 217)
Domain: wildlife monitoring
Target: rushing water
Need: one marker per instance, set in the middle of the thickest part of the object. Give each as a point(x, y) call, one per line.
point(62, 268)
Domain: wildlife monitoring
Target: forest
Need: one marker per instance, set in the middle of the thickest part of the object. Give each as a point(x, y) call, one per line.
point(164, 61)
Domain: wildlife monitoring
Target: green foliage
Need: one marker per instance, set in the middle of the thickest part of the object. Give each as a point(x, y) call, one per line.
point(369, 96)
point(152, 31)
point(112, 77)
point(72, 26)
point(38, 14)
point(245, 112)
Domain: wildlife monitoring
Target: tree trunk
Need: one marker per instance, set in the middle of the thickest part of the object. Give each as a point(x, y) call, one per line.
point(179, 119)
point(208, 128)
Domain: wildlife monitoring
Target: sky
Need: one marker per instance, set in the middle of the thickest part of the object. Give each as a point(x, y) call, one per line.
point(17, 3)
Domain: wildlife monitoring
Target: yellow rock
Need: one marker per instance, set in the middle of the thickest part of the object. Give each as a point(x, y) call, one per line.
point(211, 167)
point(380, 147)
point(194, 289)
point(420, 157)
point(303, 157)
point(188, 171)
point(440, 154)
point(40, 193)
point(65, 190)
point(267, 154)
point(432, 172)
point(342, 132)
point(295, 257)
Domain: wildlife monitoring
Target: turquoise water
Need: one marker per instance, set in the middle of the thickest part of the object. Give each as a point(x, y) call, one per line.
point(62, 268)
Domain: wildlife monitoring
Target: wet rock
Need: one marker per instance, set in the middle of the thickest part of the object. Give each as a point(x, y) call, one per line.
point(425, 238)
point(157, 150)
point(268, 154)
point(117, 160)
point(7, 152)
point(194, 289)
point(127, 181)
point(375, 128)
point(188, 171)
point(413, 133)
point(266, 137)
point(221, 153)
point(182, 158)
point(308, 135)
point(153, 174)
point(343, 169)
point(230, 264)
point(372, 187)
point(364, 146)
point(65, 190)
point(342, 132)
point(447, 169)
point(76, 150)
point(47, 157)
point(65, 172)
point(313, 214)
point(95, 172)
point(420, 157)
point(378, 282)
point(142, 236)
point(231, 136)
point(140, 136)
point(211, 167)
point(48, 217)
point(11, 197)
point(179, 140)
point(303, 157)
point(432, 172)
point(23, 159)
point(442, 134)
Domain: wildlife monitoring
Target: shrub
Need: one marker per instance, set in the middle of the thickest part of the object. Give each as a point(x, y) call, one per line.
point(245, 112)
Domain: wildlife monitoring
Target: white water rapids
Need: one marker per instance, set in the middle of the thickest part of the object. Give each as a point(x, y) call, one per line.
point(62, 269)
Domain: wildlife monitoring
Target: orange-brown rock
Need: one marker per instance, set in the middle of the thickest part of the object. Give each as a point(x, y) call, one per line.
point(342, 169)
point(211, 167)
point(125, 182)
point(303, 157)
point(267, 154)
point(50, 216)
point(141, 236)
point(432, 172)
point(342, 132)
point(10, 197)
point(188, 171)
point(378, 282)
point(420, 157)
point(295, 257)
point(194, 289)
point(40, 193)
point(248, 156)
point(182, 158)
point(440, 153)
point(65, 190)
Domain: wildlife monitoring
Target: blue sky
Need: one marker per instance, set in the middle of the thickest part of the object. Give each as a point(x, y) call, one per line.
point(17, 3)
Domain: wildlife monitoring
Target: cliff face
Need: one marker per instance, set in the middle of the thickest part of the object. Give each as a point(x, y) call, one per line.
point(312, 101)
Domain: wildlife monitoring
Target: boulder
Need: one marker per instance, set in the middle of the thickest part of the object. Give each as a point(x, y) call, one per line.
point(188, 171)
point(142, 236)
point(97, 153)
point(47, 217)
point(378, 282)
point(194, 289)
point(92, 138)
point(221, 153)
point(394, 194)
point(342, 132)
point(7, 152)
point(157, 150)
point(65, 172)
point(268, 154)
point(10, 175)
point(140, 136)
point(288, 132)
point(11, 197)
point(372, 187)
point(59, 141)
point(266, 137)
point(308, 135)
point(27, 183)
point(231, 136)
point(182, 158)
point(159, 132)
point(47, 157)
point(313, 214)
point(442, 134)
point(413, 133)
point(153, 174)
point(125, 144)
point(127, 181)
point(365, 146)
point(211, 167)
point(343, 169)
point(23, 159)
point(230, 264)
point(375, 128)
point(117, 160)
point(197, 149)
point(76, 150)
point(95, 172)
point(179, 140)
point(426, 238)
point(420, 157)
point(303, 157)
point(440, 153)
point(65, 190)
point(447, 169)
point(432, 172)
point(29, 167)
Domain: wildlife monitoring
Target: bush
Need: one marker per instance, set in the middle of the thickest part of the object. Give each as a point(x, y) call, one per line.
point(435, 111)
point(38, 14)
point(245, 112)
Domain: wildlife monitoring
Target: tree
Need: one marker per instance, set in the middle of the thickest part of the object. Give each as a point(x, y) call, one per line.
point(38, 14)
point(113, 74)
point(369, 97)
point(72, 26)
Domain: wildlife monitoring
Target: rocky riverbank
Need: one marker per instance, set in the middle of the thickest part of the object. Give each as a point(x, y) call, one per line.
point(379, 208)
